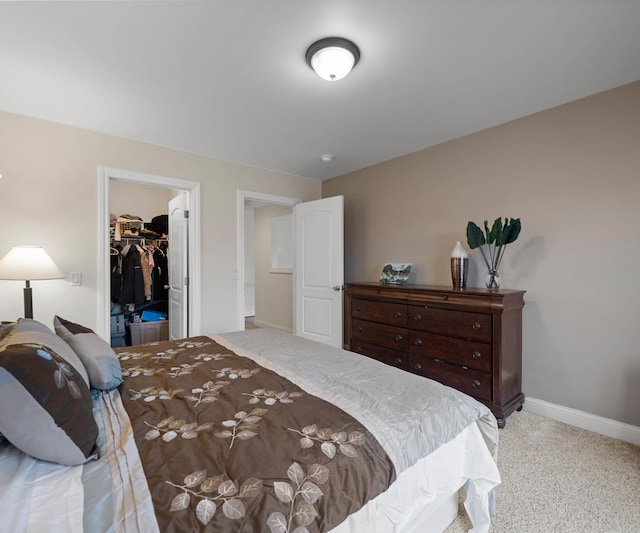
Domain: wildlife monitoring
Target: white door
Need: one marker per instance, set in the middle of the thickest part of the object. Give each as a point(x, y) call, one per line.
point(319, 270)
point(178, 264)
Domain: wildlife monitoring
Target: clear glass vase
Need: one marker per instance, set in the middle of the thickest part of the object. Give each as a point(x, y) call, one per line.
point(492, 279)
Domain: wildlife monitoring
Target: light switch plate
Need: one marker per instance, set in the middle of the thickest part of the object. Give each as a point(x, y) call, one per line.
point(75, 279)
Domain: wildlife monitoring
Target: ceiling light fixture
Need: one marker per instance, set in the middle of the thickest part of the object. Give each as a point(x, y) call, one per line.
point(327, 158)
point(332, 58)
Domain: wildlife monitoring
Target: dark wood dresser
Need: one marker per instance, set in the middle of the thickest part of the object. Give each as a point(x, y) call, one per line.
point(469, 339)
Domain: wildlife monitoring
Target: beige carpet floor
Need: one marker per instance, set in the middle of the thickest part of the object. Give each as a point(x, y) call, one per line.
point(560, 478)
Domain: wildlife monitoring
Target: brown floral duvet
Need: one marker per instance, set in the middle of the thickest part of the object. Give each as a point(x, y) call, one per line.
point(228, 445)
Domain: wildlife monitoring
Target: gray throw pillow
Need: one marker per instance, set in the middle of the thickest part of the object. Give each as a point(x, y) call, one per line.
point(45, 405)
point(101, 362)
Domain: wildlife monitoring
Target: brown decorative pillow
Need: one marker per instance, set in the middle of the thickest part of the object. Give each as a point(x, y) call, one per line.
point(45, 405)
point(29, 331)
point(99, 359)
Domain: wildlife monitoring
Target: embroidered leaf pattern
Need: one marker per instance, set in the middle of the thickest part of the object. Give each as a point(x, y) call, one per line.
point(210, 356)
point(180, 502)
point(205, 511)
point(331, 442)
point(63, 375)
point(242, 427)
point(194, 479)
point(169, 428)
point(183, 369)
point(235, 373)
point(271, 397)
point(295, 473)
point(277, 523)
point(58, 378)
point(167, 355)
point(193, 344)
point(284, 491)
point(305, 513)
point(301, 495)
point(207, 393)
point(136, 371)
point(150, 394)
point(318, 473)
point(125, 356)
point(234, 508)
point(202, 487)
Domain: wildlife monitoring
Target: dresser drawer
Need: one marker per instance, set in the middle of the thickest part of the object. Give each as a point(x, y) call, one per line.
point(463, 324)
point(390, 336)
point(384, 355)
point(384, 312)
point(467, 380)
point(462, 352)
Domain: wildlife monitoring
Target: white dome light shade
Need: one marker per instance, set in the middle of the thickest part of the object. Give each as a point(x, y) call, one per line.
point(332, 58)
point(332, 63)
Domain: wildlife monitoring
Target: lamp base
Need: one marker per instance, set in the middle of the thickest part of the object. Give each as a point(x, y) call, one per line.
point(28, 302)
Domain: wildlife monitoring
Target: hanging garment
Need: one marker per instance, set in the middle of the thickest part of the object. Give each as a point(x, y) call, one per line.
point(116, 274)
point(160, 275)
point(146, 273)
point(133, 285)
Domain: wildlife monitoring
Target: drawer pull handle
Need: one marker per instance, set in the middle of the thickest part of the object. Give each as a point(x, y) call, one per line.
point(418, 342)
point(398, 361)
point(417, 317)
point(476, 384)
point(445, 297)
point(398, 337)
point(476, 325)
point(418, 367)
point(359, 349)
point(359, 329)
point(476, 355)
point(358, 308)
point(398, 314)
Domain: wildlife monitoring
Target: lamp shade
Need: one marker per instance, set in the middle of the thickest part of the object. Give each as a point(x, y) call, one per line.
point(332, 58)
point(28, 263)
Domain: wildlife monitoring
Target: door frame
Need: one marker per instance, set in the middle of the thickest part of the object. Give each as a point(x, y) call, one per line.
point(243, 195)
point(103, 280)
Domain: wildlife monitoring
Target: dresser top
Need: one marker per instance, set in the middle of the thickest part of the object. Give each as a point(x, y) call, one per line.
point(476, 291)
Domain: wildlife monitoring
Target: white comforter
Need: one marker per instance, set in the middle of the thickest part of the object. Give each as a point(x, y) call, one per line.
point(438, 439)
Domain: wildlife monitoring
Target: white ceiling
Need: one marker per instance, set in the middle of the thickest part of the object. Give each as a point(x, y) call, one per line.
point(228, 79)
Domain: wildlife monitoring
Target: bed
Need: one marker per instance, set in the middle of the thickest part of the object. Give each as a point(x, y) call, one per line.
point(256, 430)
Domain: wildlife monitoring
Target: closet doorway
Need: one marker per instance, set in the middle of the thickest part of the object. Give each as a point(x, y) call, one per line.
point(184, 315)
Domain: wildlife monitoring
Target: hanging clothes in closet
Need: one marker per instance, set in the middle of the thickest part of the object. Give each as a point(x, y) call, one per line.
point(160, 274)
point(136, 278)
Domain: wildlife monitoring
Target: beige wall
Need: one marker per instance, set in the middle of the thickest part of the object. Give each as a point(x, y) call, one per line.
point(274, 290)
point(572, 174)
point(144, 201)
point(48, 196)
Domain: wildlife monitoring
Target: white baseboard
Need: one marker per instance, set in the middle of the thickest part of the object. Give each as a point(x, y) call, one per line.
point(581, 419)
point(264, 324)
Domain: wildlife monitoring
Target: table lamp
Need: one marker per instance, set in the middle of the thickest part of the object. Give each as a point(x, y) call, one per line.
point(28, 263)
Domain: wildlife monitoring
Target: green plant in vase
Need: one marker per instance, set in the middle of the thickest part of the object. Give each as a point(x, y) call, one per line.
point(492, 243)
